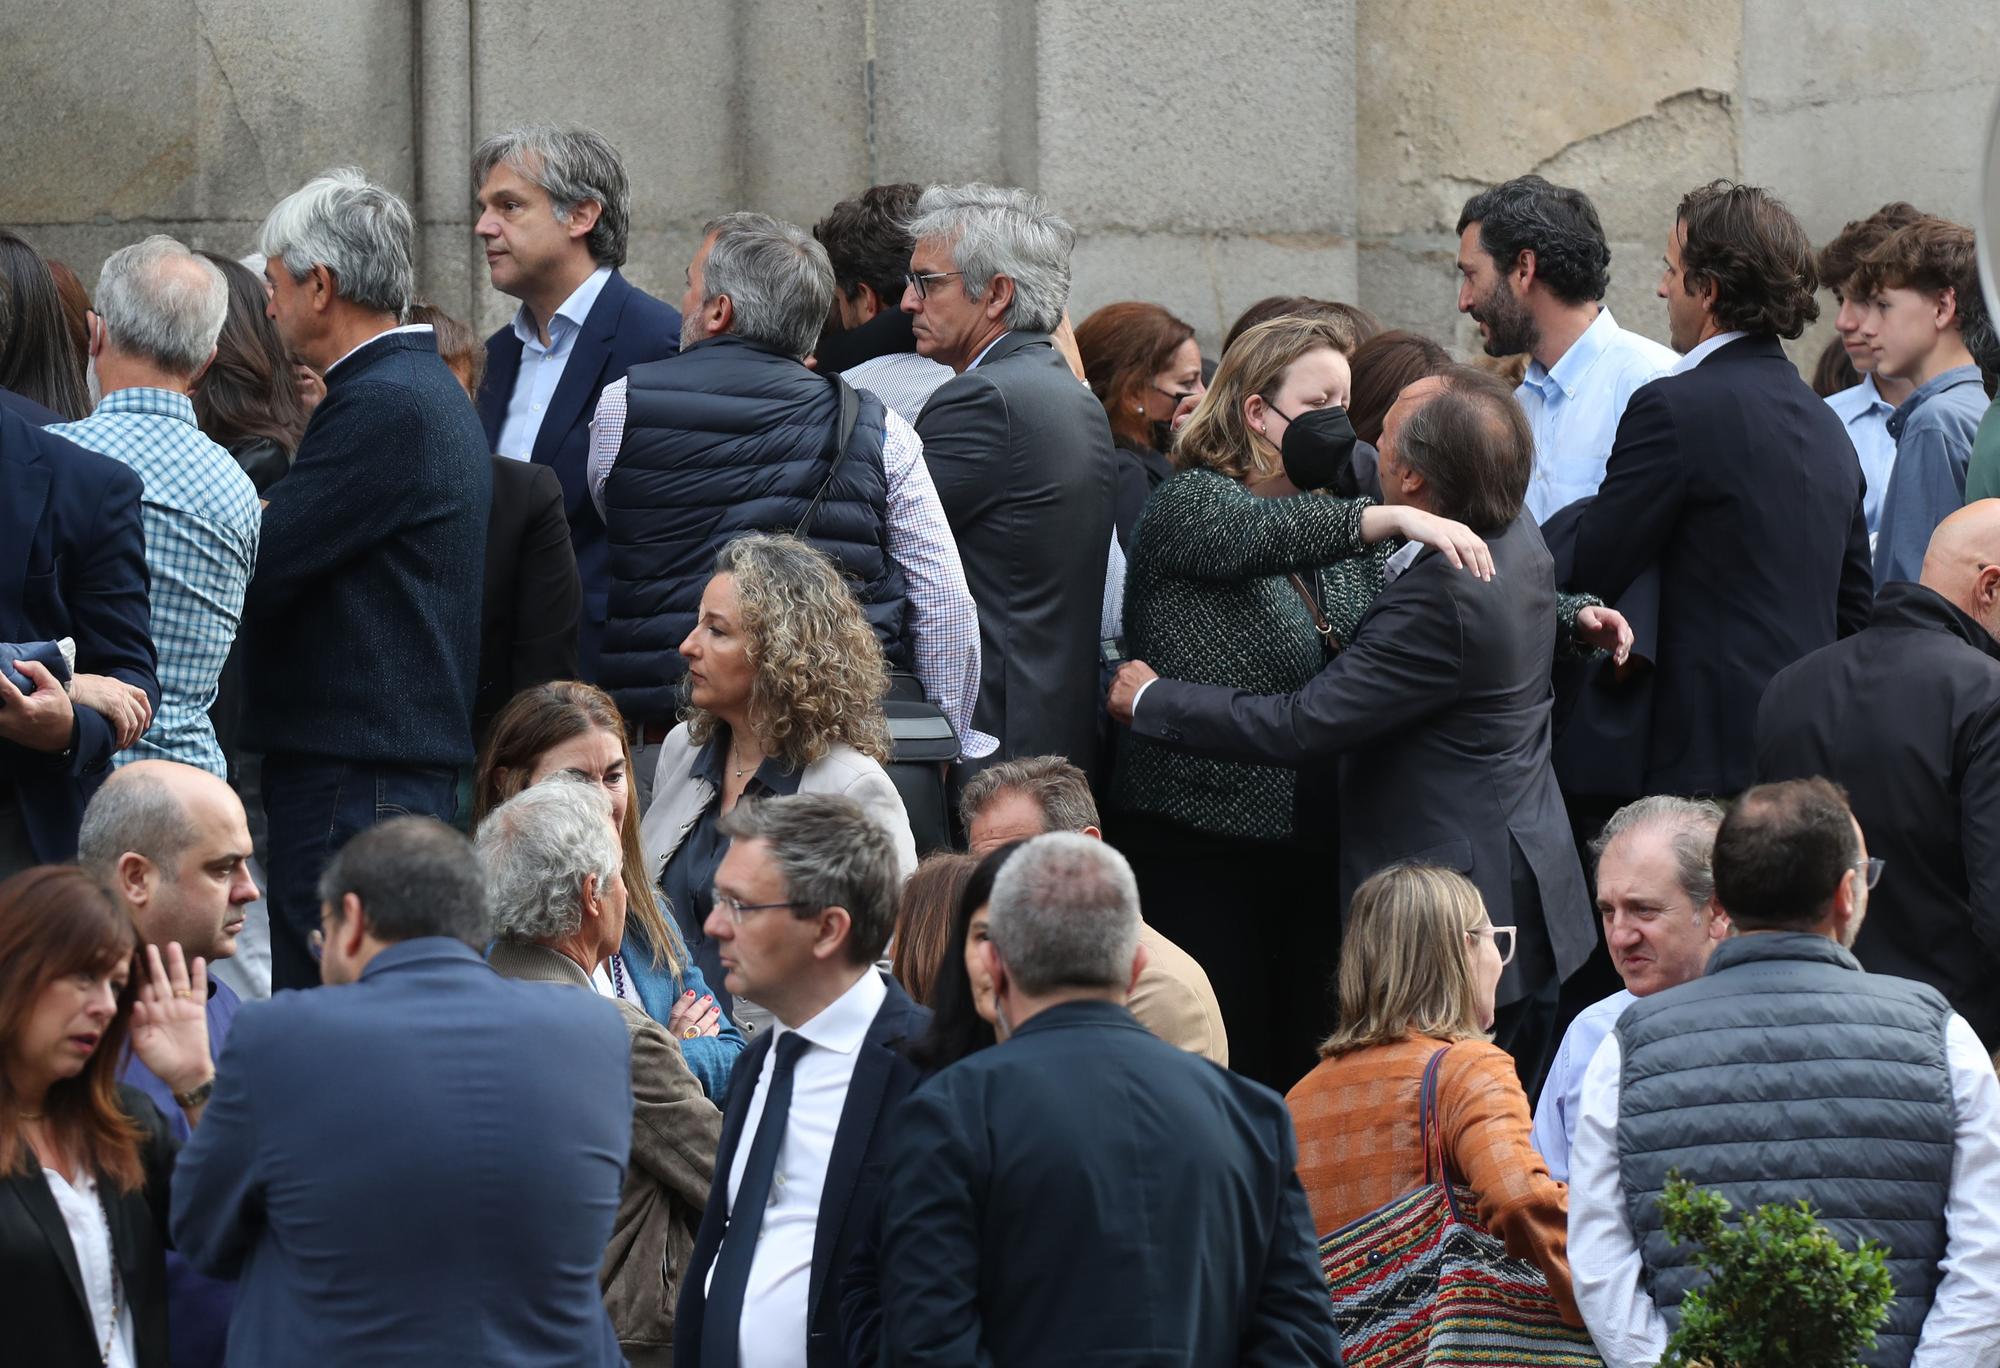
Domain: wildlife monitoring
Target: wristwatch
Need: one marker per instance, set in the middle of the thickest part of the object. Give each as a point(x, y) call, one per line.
point(197, 1095)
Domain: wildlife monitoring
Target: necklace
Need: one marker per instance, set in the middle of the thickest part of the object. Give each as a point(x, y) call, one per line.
point(32, 1116)
point(617, 975)
point(117, 1289)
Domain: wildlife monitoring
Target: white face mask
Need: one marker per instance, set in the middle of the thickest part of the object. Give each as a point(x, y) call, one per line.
point(95, 385)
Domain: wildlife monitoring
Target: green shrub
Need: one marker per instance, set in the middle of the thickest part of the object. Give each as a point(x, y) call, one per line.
point(1782, 1293)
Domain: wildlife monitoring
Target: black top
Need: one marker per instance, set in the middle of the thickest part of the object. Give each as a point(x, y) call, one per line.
point(1141, 470)
point(532, 599)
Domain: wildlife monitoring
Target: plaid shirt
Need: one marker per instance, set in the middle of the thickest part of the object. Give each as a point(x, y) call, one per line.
point(201, 520)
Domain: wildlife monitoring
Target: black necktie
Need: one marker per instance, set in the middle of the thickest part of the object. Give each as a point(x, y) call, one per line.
point(722, 1318)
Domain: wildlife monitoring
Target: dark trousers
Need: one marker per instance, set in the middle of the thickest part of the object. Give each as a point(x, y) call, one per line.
point(1525, 1024)
point(312, 807)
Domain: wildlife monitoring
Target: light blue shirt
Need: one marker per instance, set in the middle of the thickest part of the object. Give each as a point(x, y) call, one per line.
point(202, 524)
point(1574, 408)
point(1933, 429)
point(1865, 414)
point(1562, 1095)
point(542, 367)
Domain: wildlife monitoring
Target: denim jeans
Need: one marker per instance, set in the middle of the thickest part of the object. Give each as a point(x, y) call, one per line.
point(313, 806)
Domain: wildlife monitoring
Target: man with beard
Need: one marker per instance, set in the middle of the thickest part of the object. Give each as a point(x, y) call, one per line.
point(1533, 264)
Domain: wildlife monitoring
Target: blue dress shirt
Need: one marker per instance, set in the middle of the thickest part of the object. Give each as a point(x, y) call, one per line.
point(1934, 429)
point(542, 367)
point(1574, 408)
point(1561, 1102)
point(1865, 414)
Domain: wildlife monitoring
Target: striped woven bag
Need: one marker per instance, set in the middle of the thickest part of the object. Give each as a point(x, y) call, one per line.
point(1420, 1282)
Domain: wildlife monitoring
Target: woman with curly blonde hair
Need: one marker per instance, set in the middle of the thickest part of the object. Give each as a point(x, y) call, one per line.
point(784, 687)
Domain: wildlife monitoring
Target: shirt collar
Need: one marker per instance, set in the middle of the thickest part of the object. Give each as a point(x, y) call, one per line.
point(1575, 363)
point(1944, 380)
point(1707, 349)
point(987, 348)
point(571, 311)
point(843, 1024)
point(160, 403)
point(386, 332)
point(1402, 560)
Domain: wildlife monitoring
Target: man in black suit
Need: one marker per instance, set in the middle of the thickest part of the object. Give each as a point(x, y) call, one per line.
point(72, 564)
point(367, 593)
point(805, 900)
point(1022, 458)
point(1738, 483)
point(1438, 710)
point(554, 213)
point(1906, 716)
point(1084, 1192)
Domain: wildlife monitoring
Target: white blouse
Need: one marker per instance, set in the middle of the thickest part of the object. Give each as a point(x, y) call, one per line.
point(90, 1237)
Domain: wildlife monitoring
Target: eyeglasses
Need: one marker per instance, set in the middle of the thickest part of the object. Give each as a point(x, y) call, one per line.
point(922, 283)
point(738, 910)
point(1870, 870)
point(1503, 941)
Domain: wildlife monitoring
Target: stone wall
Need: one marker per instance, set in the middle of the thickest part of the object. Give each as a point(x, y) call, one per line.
point(1209, 151)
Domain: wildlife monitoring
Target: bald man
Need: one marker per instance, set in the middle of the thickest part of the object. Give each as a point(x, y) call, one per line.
point(1906, 716)
point(172, 843)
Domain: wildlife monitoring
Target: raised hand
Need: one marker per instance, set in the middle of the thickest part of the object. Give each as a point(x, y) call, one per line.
point(170, 1019)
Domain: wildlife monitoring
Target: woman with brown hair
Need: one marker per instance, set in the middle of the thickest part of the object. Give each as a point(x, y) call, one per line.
point(1141, 363)
point(87, 1158)
point(923, 921)
point(573, 729)
point(1419, 965)
point(39, 359)
point(248, 399)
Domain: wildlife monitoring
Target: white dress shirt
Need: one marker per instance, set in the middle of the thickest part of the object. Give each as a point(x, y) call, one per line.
point(1574, 406)
point(1963, 1327)
point(773, 1329)
point(90, 1237)
point(542, 366)
point(386, 332)
point(1562, 1094)
point(1705, 350)
point(904, 381)
point(1865, 414)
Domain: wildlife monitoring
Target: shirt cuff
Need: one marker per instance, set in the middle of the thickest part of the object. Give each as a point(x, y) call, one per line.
point(1141, 694)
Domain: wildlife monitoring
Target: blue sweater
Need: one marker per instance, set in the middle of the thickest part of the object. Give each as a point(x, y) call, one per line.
point(363, 616)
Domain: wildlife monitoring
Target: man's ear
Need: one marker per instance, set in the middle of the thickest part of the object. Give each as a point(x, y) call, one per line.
point(319, 283)
point(1138, 968)
point(96, 335)
point(353, 927)
point(1523, 274)
point(1946, 308)
point(721, 312)
point(133, 875)
point(593, 901)
point(866, 302)
point(996, 968)
point(836, 928)
point(582, 219)
point(1092, 832)
point(999, 297)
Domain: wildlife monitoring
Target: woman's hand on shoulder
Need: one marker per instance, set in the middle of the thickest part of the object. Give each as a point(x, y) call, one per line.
point(1456, 542)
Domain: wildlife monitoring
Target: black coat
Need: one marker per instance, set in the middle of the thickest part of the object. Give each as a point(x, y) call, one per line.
point(1021, 455)
point(42, 1305)
point(1906, 716)
point(1740, 484)
point(1088, 1194)
point(528, 616)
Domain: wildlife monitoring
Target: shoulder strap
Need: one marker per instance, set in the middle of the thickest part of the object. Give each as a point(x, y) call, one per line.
point(843, 433)
point(1434, 1170)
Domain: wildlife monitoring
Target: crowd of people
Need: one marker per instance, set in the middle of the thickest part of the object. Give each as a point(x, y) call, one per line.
point(849, 821)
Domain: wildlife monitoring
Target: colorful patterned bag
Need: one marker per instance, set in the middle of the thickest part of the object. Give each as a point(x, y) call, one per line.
point(1420, 1282)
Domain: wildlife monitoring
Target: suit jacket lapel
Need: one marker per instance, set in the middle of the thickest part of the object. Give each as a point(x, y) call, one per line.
point(24, 492)
point(32, 1191)
point(851, 1139)
point(583, 374)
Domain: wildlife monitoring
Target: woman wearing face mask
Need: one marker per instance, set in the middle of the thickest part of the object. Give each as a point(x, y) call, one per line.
point(1141, 363)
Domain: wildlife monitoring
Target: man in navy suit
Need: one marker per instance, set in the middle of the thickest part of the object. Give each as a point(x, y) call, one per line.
point(72, 564)
point(554, 211)
point(804, 903)
point(420, 1165)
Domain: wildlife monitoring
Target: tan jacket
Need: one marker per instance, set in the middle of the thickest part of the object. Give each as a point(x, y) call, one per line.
point(675, 1133)
point(1174, 1001)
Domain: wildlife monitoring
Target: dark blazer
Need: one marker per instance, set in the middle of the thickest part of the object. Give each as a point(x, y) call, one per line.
point(1740, 484)
point(1198, 1249)
point(1438, 715)
point(364, 611)
point(1141, 470)
point(883, 1077)
point(624, 327)
point(528, 617)
point(417, 1168)
point(42, 1302)
point(72, 564)
point(1021, 455)
point(1906, 715)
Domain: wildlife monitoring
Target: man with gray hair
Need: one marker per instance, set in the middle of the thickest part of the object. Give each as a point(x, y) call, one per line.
point(152, 334)
point(1656, 898)
point(1082, 1110)
point(364, 657)
point(554, 218)
point(737, 435)
point(1022, 457)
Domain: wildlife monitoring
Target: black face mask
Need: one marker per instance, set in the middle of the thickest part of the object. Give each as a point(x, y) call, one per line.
point(1318, 448)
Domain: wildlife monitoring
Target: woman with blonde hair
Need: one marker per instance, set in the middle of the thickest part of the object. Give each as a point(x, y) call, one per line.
point(1419, 966)
point(784, 691)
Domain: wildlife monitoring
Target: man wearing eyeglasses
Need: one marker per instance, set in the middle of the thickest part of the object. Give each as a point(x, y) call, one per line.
point(804, 902)
point(1787, 1073)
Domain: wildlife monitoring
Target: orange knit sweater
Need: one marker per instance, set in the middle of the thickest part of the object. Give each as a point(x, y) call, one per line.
point(1360, 1145)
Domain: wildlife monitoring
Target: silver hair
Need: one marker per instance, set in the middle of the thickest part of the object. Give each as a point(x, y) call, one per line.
point(134, 811)
point(999, 231)
point(1691, 824)
point(777, 277)
point(571, 164)
point(830, 853)
point(160, 301)
point(1065, 914)
point(358, 230)
point(1058, 788)
point(537, 849)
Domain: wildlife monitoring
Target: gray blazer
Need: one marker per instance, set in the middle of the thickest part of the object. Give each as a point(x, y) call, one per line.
point(675, 1133)
point(1437, 716)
